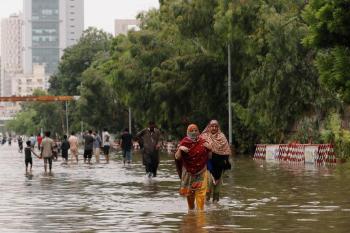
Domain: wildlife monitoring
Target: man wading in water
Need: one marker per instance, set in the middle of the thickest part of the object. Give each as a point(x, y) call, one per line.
point(149, 140)
point(46, 151)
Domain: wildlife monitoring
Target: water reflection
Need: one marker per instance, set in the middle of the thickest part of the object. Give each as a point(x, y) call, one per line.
point(194, 222)
point(256, 197)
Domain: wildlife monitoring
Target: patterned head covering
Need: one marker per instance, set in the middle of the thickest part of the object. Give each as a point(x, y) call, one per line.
point(192, 127)
point(193, 136)
point(218, 141)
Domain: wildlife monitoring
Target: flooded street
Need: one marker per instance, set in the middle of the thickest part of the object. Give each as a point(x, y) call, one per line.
point(256, 197)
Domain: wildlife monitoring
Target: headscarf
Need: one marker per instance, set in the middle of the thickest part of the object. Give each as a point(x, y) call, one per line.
point(190, 135)
point(196, 159)
point(218, 141)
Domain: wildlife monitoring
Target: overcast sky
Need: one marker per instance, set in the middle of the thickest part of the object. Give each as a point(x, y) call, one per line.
point(98, 13)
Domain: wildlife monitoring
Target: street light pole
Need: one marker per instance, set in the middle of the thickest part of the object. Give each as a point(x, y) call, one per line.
point(67, 118)
point(229, 95)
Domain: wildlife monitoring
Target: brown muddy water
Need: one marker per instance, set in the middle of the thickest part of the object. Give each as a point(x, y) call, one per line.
point(256, 197)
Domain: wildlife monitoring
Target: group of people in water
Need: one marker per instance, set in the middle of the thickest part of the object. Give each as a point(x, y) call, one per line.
point(49, 148)
point(200, 158)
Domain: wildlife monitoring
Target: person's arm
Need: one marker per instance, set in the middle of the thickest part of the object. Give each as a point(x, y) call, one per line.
point(139, 138)
point(207, 145)
point(35, 154)
point(178, 154)
point(53, 145)
point(159, 141)
point(179, 151)
point(139, 135)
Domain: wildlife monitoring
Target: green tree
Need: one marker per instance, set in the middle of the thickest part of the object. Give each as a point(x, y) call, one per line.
point(23, 123)
point(272, 72)
point(76, 59)
point(98, 105)
point(329, 32)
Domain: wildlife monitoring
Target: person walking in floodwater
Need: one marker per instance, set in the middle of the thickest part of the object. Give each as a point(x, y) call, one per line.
point(219, 161)
point(28, 156)
point(149, 140)
point(97, 145)
point(39, 140)
point(106, 141)
point(126, 145)
point(47, 146)
point(74, 146)
point(64, 148)
point(191, 160)
point(20, 144)
point(32, 140)
point(88, 146)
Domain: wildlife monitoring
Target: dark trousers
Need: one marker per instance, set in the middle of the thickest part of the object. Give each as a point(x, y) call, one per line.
point(49, 161)
point(151, 162)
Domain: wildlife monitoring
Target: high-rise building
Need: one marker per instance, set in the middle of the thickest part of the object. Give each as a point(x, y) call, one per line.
point(122, 26)
point(11, 51)
point(50, 26)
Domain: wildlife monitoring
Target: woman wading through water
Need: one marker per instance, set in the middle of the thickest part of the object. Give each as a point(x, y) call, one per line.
point(191, 161)
point(219, 161)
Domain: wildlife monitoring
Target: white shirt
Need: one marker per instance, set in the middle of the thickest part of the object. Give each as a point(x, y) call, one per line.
point(106, 138)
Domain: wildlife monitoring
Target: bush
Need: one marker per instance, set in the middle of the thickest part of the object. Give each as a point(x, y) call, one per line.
point(335, 134)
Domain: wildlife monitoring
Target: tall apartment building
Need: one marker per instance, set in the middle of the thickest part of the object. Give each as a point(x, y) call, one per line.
point(50, 26)
point(122, 26)
point(11, 51)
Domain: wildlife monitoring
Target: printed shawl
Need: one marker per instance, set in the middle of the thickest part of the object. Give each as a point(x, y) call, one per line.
point(194, 174)
point(196, 159)
point(218, 142)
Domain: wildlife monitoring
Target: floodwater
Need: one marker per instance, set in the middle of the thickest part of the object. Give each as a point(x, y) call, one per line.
point(256, 197)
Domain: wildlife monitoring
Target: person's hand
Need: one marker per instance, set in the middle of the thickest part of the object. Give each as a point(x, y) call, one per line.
point(184, 149)
point(208, 146)
point(157, 147)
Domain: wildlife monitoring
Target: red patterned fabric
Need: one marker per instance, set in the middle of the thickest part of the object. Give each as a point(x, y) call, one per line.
point(196, 158)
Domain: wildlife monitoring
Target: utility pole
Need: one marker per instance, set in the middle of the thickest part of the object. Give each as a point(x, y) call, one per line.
point(229, 95)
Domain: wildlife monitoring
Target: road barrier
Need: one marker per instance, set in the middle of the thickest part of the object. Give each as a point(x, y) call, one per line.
point(296, 153)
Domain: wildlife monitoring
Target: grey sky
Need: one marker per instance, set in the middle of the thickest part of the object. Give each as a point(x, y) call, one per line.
point(98, 13)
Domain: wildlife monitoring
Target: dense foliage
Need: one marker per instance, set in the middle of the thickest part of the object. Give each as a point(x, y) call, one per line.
point(174, 70)
point(329, 32)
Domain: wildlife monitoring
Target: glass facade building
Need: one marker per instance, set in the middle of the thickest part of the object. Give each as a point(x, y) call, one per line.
point(45, 33)
point(50, 26)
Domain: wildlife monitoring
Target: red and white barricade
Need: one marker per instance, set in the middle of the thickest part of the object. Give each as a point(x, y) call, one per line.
point(297, 153)
point(260, 151)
